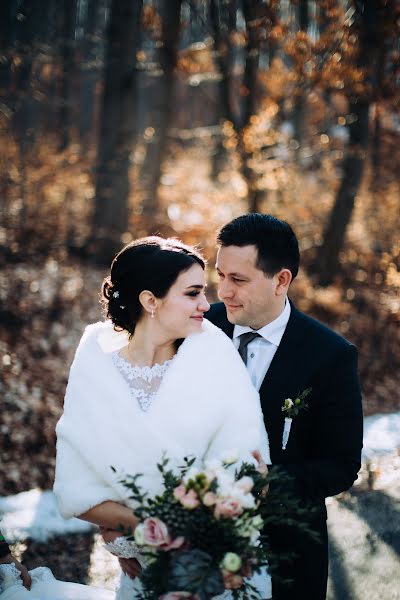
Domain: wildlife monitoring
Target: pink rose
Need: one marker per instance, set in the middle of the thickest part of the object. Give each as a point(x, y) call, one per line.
point(232, 581)
point(175, 596)
point(179, 492)
point(155, 533)
point(174, 544)
point(190, 500)
point(227, 508)
point(209, 499)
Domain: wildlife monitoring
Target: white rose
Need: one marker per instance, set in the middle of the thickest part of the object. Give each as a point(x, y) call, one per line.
point(138, 535)
point(226, 483)
point(213, 464)
point(257, 522)
point(246, 500)
point(254, 535)
point(230, 456)
point(245, 484)
point(231, 562)
point(191, 474)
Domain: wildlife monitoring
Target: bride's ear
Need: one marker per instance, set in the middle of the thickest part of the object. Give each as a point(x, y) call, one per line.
point(148, 301)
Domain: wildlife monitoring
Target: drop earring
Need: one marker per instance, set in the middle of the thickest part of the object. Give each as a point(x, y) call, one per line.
point(152, 313)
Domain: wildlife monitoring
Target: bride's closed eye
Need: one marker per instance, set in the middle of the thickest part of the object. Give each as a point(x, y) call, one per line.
point(193, 294)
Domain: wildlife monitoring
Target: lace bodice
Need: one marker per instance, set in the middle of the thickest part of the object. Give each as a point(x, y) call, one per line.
point(143, 382)
point(10, 576)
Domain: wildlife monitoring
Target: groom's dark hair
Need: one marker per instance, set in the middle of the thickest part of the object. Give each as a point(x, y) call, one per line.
point(275, 241)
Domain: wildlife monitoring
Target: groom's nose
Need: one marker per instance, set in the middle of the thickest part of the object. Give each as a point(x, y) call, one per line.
point(224, 289)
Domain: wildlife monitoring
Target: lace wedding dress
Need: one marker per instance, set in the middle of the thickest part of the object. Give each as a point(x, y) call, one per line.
point(45, 587)
point(144, 383)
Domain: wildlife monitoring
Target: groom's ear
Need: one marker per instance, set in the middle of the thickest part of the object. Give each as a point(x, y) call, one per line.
point(283, 279)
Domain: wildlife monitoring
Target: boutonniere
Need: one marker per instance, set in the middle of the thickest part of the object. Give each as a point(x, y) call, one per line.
point(291, 408)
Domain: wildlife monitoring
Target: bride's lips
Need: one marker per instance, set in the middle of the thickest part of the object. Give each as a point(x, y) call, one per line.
point(198, 318)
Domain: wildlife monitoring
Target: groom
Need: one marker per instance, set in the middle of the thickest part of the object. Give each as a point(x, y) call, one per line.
point(287, 352)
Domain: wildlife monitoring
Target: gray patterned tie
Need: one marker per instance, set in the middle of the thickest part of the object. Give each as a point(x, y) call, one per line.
point(245, 340)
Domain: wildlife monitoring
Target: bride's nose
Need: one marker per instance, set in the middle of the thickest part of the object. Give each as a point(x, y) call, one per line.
point(203, 305)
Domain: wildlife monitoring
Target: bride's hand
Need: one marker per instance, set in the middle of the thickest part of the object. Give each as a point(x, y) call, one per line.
point(262, 465)
point(26, 578)
point(263, 469)
point(130, 567)
point(109, 535)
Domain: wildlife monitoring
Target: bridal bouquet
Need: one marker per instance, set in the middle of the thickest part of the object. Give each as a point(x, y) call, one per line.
point(201, 535)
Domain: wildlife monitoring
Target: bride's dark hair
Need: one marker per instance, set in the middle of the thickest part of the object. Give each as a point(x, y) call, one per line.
point(150, 263)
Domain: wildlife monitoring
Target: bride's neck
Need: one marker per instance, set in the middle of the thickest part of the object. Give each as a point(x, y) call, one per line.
point(148, 347)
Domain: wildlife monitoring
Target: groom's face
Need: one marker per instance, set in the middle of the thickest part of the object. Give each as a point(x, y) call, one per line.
point(251, 297)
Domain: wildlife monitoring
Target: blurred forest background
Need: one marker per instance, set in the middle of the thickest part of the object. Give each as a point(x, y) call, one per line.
point(122, 118)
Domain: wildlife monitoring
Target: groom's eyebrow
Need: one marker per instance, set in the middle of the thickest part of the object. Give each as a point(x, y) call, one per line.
point(234, 274)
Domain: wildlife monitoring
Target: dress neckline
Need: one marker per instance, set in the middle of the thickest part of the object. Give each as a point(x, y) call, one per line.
point(138, 372)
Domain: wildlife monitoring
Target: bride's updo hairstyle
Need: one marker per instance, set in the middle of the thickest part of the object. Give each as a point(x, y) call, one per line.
point(151, 263)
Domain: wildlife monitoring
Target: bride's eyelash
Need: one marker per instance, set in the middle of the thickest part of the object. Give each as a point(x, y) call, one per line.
point(193, 294)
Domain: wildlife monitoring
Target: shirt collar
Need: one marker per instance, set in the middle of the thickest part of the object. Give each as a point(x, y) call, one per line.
point(272, 332)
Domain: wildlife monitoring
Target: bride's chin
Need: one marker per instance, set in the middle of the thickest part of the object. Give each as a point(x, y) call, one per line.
point(195, 326)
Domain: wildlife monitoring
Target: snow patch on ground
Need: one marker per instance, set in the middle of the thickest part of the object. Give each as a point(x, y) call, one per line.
point(34, 514)
point(381, 435)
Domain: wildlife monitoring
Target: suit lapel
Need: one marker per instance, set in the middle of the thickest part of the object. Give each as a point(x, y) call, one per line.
point(284, 369)
point(286, 377)
point(286, 366)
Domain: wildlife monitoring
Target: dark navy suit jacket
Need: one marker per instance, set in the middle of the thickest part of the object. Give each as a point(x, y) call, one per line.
point(323, 453)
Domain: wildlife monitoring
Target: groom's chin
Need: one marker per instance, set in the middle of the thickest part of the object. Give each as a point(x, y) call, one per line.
point(232, 317)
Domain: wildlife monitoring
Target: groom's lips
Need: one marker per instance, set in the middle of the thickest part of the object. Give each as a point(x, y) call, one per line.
point(232, 306)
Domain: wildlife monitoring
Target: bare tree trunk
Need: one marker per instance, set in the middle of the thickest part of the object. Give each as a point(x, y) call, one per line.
point(117, 128)
point(377, 130)
point(328, 259)
point(7, 38)
point(223, 23)
point(254, 12)
point(171, 24)
point(300, 100)
point(26, 31)
point(250, 12)
point(28, 26)
point(376, 146)
point(327, 263)
point(89, 75)
point(69, 10)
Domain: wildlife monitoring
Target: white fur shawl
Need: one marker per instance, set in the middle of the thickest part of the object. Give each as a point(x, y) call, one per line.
point(205, 406)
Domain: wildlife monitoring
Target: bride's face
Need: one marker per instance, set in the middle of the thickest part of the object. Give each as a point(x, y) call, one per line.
point(181, 311)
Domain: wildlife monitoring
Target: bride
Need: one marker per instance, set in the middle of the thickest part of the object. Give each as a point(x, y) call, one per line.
point(154, 378)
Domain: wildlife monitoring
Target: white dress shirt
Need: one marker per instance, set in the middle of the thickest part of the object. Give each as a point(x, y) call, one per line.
point(261, 350)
